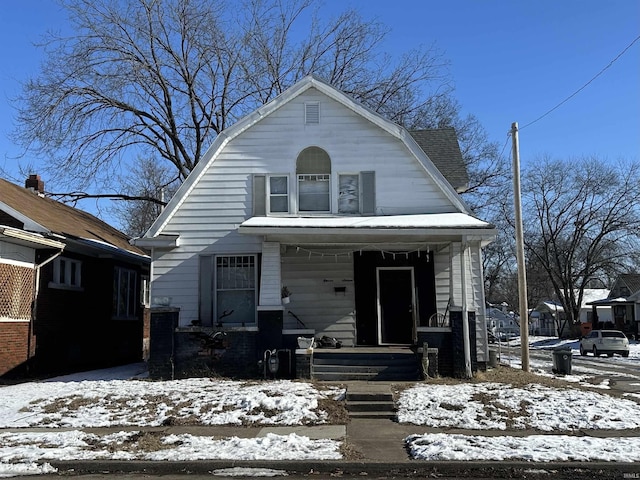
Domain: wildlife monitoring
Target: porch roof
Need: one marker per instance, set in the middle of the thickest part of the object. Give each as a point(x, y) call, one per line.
point(437, 225)
point(611, 301)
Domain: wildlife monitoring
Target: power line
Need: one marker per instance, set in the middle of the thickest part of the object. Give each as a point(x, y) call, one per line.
point(584, 86)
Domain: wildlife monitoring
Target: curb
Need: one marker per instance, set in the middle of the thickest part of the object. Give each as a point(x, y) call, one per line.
point(414, 469)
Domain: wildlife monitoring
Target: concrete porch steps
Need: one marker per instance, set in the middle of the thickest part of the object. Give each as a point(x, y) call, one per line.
point(377, 405)
point(366, 365)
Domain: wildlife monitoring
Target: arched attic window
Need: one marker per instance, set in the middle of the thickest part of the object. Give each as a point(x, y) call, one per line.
point(313, 169)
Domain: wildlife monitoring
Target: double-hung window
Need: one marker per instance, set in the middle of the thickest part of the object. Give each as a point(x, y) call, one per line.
point(235, 289)
point(313, 170)
point(124, 293)
point(67, 273)
point(270, 194)
point(278, 194)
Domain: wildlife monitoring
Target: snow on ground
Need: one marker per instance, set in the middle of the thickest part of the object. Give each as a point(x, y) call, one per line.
point(509, 353)
point(122, 397)
point(107, 399)
point(97, 403)
point(535, 448)
point(479, 406)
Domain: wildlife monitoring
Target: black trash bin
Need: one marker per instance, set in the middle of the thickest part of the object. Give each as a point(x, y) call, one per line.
point(562, 361)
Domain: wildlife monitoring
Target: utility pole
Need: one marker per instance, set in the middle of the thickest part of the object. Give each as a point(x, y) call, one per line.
point(522, 272)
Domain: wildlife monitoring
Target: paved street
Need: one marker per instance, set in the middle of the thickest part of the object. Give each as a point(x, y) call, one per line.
point(621, 374)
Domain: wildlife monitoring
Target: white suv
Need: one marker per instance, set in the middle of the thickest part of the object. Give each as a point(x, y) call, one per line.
point(605, 341)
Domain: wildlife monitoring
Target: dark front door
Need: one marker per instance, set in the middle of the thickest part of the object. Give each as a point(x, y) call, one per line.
point(396, 305)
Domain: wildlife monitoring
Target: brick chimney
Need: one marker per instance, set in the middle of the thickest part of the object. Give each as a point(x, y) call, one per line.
point(34, 183)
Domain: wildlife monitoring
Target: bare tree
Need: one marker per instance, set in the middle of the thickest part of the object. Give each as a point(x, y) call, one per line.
point(161, 78)
point(581, 223)
point(147, 179)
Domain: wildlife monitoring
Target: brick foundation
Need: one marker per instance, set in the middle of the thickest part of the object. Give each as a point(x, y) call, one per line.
point(15, 342)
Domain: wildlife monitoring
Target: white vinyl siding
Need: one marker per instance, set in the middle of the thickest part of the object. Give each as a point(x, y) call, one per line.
point(312, 279)
point(223, 196)
point(270, 275)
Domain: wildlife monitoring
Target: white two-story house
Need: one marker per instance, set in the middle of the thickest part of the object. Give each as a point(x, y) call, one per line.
point(314, 216)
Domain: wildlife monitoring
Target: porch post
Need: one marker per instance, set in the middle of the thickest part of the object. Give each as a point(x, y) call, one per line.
point(465, 309)
point(271, 276)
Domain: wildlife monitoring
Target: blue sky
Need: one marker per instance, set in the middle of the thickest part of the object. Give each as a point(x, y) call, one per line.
point(510, 61)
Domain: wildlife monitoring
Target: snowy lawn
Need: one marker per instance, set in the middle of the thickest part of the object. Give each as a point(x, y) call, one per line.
point(68, 404)
point(73, 402)
point(195, 401)
point(499, 406)
point(535, 448)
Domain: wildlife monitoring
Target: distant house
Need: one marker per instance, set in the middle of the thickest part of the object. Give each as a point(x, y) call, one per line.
point(315, 217)
point(501, 324)
point(621, 306)
point(548, 317)
point(71, 295)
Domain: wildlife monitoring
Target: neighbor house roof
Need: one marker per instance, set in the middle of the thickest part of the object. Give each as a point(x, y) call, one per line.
point(35, 213)
point(442, 147)
point(631, 280)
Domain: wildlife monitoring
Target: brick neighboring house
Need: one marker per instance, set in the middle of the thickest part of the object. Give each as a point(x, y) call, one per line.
point(71, 287)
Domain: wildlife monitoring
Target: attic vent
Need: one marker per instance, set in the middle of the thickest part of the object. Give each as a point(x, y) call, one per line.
point(312, 113)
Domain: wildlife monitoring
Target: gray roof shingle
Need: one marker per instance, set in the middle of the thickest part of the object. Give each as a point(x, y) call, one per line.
point(442, 147)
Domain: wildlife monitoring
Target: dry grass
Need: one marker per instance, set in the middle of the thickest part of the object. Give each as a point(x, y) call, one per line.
point(336, 410)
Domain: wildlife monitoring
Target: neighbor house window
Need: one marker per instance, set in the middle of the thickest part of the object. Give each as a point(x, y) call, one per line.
point(313, 169)
point(278, 194)
point(66, 273)
point(124, 293)
point(145, 290)
point(235, 287)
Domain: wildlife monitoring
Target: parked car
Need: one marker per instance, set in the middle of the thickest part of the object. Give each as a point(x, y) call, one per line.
point(605, 341)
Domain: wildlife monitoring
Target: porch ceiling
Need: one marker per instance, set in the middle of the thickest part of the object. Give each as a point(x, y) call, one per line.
point(440, 227)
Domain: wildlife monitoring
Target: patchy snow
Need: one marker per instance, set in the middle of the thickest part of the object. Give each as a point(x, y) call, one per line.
point(479, 406)
point(144, 403)
point(62, 407)
point(535, 448)
point(31, 447)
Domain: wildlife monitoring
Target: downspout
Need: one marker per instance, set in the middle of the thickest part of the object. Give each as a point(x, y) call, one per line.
point(465, 310)
point(34, 301)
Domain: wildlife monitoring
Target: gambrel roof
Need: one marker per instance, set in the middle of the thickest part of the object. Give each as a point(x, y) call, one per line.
point(443, 144)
